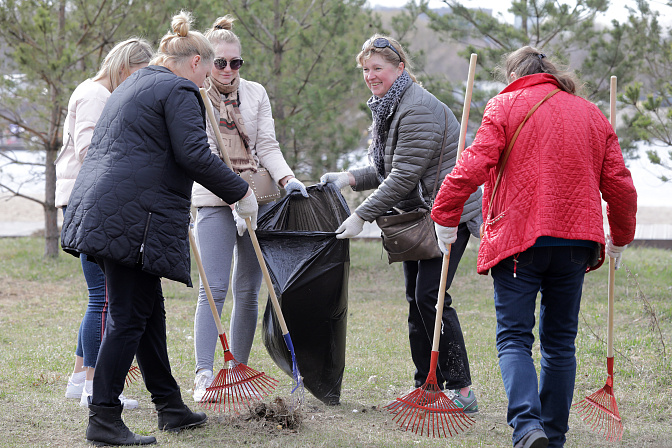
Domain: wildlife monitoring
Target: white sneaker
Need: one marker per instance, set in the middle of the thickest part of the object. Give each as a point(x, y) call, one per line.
point(128, 403)
point(84, 399)
point(75, 385)
point(202, 381)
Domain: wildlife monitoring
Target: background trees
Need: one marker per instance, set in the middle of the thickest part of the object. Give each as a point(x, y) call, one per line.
point(303, 52)
point(50, 47)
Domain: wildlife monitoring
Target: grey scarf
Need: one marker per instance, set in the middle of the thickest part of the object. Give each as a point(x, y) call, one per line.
point(382, 109)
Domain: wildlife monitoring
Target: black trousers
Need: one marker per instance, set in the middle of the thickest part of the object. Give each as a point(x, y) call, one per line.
point(136, 326)
point(422, 287)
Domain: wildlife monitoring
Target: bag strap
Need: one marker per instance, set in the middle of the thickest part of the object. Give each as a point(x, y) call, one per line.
point(507, 152)
point(443, 146)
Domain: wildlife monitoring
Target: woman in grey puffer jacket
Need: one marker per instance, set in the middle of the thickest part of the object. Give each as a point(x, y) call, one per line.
point(408, 130)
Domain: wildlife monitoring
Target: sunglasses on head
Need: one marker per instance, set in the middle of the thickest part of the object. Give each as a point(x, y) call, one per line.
point(235, 64)
point(381, 42)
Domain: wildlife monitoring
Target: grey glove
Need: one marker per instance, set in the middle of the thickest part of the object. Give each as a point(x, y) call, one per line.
point(352, 226)
point(295, 185)
point(248, 208)
point(241, 225)
point(340, 180)
point(614, 252)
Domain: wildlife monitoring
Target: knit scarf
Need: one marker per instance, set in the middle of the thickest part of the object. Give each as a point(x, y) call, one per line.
point(381, 110)
point(236, 142)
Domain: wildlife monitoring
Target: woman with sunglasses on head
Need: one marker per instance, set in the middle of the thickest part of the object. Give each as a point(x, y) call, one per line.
point(408, 130)
point(85, 106)
point(542, 229)
point(243, 111)
point(130, 210)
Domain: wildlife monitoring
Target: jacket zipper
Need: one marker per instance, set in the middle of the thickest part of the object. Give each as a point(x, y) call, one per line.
point(141, 255)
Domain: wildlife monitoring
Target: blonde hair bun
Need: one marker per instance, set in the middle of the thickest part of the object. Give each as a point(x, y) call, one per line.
point(224, 23)
point(181, 23)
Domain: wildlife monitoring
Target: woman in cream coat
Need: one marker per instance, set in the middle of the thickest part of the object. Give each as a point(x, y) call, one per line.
point(243, 111)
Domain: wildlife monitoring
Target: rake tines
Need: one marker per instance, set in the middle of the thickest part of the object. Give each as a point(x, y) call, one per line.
point(132, 375)
point(237, 385)
point(600, 410)
point(428, 411)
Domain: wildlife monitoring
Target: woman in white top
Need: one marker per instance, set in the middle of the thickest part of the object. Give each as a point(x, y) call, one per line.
point(84, 108)
point(243, 111)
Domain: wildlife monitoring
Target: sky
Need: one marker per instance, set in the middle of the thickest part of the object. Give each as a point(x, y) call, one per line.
point(616, 10)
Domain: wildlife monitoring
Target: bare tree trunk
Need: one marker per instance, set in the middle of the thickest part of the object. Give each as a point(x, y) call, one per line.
point(51, 233)
point(279, 107)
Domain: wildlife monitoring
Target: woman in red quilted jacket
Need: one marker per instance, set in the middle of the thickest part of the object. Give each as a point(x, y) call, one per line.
point(542, 230)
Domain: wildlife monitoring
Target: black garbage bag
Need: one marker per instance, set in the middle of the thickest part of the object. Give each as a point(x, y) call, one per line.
point(309, 268)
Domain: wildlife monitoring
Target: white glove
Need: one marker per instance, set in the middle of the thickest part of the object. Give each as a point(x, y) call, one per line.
point(351, 227)
point(248, 208)
point(340, 180)
point(614, 252)
point(295, 184)
point(241, 225)
point(446, 236)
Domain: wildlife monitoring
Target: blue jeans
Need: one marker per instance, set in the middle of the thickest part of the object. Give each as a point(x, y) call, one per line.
point(92, 327)
point(557, 272)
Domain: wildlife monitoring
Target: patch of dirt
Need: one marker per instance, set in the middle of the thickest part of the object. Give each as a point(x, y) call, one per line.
point(272, 417)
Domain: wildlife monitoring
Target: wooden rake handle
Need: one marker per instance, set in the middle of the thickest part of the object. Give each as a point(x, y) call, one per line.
point(612, 262)
point(446, 258)
point(267, 277)
point(253, 235)
point(206, 286)
point(215, 128)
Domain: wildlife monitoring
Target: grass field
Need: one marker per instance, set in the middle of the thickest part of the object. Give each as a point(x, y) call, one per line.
point(42, 303)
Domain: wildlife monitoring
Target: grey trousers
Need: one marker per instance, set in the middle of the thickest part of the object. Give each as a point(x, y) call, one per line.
point(219, 245)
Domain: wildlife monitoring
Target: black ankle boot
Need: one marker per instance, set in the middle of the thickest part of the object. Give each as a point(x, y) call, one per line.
point(174, 415)
point(107, 428)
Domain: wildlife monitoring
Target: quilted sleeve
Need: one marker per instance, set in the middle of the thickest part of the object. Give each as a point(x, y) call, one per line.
point(473, 168)
point(419, 135)
point(618, 191)
point(184, 112)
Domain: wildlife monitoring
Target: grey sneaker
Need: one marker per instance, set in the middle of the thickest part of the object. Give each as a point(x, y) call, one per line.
point(468, 404)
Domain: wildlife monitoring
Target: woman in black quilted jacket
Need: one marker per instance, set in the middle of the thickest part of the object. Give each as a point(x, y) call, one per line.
point(415, 139)
point(129, 210)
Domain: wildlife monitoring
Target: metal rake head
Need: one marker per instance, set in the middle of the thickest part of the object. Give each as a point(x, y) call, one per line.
point(236, 388)
point(428, 411)
point(600, 412)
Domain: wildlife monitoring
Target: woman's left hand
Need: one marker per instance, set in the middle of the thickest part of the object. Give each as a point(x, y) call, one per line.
point(352, 226)
point(295, 185)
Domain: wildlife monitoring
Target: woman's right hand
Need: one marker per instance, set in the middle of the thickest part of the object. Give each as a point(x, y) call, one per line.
point(340, 180)
point(247, 207)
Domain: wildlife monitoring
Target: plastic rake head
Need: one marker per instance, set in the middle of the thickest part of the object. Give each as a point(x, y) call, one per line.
point(133, 375)
point(236, 388)
point(600, 412)
point(428, 411)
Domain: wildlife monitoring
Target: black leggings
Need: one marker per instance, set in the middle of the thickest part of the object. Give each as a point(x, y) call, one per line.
point(422, 287)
